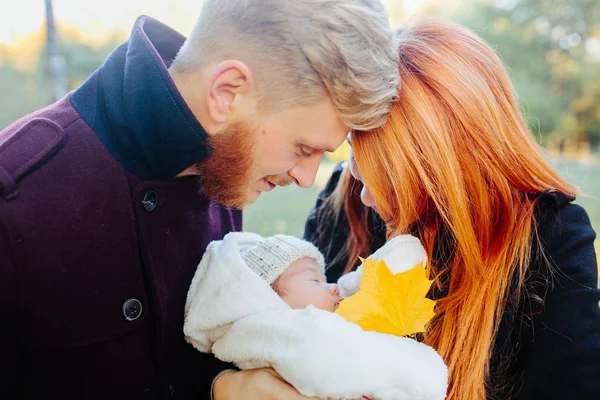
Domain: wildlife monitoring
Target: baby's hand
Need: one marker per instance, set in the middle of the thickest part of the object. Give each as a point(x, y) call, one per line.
point(350, 283)
point(259, 384)
point(400, 254)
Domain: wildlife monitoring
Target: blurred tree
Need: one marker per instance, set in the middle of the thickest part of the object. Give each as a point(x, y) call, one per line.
point(26, 89)
point(17, 97)
point(83, 59)
point(56, 66)
point(552, 50)
point(395, 10)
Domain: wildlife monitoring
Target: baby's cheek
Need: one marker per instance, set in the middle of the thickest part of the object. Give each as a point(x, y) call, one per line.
point(325, 302)
point(297, 299)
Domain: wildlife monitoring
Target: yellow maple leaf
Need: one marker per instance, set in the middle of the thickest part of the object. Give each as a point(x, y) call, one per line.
point(387, 303)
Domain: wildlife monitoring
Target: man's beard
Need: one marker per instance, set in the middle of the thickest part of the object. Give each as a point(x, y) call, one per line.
point(226, 173)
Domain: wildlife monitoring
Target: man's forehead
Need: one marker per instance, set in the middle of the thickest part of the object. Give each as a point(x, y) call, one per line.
point(329, 146)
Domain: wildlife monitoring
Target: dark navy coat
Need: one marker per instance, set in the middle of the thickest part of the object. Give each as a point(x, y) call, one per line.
point(98, 242)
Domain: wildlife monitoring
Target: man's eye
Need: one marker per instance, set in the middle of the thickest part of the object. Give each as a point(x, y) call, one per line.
point(302, 151)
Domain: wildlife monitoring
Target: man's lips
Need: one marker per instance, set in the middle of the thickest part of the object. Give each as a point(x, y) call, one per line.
point(268, 185)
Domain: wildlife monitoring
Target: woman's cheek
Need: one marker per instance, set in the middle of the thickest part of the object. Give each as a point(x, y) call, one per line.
point(366, 197)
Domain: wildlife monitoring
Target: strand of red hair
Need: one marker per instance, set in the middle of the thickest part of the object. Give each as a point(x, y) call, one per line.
point(456, 155)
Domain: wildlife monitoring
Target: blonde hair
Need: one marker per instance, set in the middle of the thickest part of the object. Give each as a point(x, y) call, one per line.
point(301, 51)
point(456, 165)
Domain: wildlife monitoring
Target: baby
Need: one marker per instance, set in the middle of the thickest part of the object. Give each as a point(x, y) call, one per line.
point(295, 269)
point(265, 302)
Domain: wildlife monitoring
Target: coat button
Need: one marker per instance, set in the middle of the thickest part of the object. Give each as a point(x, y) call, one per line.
point(150, 200)
point(132, 309)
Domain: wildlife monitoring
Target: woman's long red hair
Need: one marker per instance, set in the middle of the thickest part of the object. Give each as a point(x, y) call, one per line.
point(456, 157)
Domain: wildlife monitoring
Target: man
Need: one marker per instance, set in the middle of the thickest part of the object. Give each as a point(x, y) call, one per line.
point(109, 197)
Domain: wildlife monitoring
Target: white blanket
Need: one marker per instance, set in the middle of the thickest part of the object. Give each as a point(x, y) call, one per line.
point(234, 314)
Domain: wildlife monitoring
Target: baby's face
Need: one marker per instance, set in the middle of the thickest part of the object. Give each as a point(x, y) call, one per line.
point(303, 284)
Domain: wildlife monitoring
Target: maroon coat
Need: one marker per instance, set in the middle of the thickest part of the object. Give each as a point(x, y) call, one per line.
point(97, 245)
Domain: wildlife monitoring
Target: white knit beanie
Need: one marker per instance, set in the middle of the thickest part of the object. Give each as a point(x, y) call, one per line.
point(270, 257)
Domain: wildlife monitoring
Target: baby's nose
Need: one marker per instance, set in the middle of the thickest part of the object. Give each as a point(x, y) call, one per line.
point(334, 289)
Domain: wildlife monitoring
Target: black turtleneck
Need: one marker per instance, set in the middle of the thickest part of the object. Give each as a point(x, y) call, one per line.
point(133, 106)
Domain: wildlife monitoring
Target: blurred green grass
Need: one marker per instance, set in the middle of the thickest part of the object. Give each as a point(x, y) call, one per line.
point(587, 178)
point(283, 210)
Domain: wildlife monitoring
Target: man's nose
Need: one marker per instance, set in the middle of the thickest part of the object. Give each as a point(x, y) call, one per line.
point(304, 172)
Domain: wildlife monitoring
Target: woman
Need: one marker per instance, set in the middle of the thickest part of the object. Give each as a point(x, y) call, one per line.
point(512, 259)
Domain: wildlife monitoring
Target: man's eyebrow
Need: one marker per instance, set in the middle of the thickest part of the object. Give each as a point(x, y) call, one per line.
point(318, 147)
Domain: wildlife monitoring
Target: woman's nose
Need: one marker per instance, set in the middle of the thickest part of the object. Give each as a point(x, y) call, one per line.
point(334, 289)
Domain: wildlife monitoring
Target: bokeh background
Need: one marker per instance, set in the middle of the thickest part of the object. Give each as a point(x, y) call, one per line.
point(550, 47)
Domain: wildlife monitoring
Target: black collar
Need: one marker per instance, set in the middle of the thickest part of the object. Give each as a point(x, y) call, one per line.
point(133, 106)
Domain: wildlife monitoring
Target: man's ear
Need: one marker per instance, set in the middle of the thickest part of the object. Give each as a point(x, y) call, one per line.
point(230, 91)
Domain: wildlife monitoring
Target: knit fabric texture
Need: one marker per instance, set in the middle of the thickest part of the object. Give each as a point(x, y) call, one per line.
point(270, 257)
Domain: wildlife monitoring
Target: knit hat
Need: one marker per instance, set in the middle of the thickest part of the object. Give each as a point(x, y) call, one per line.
point(270, 257)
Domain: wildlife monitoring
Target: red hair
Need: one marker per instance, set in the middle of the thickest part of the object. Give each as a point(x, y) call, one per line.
point(456, 165)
